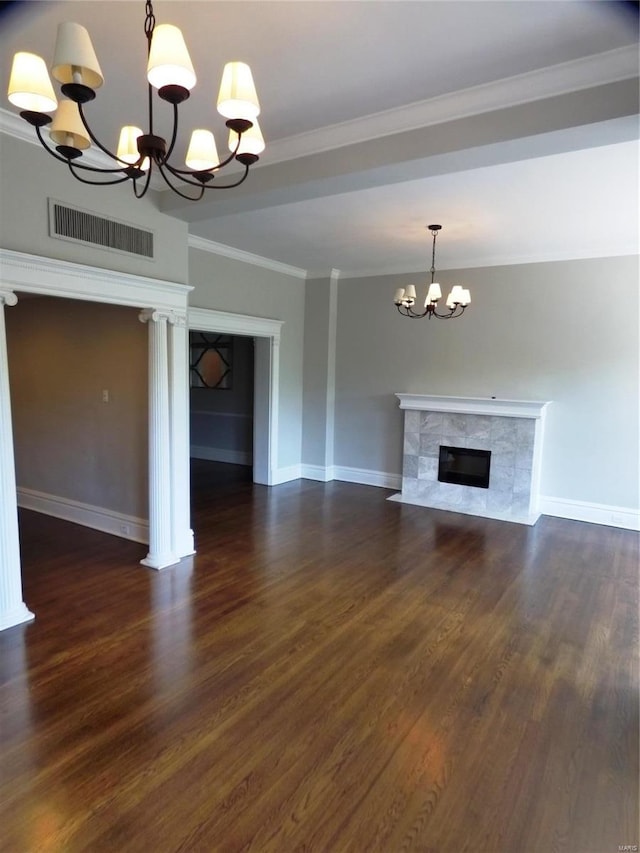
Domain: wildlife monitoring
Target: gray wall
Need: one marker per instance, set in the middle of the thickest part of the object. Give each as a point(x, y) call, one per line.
point(224, 284)
point(319, 373)
point(564, 331)
point(69, 443)
point(29, 177)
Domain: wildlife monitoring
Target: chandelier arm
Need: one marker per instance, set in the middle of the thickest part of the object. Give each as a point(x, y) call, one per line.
point(230, 186)
point(97, 142)
point(147, 182)
point(452, 313)
point(179, 172)
point(71, 166)
point(201, 187)
point(411, 314)
point(76, 165)
point(50, 150)
point(174, 135)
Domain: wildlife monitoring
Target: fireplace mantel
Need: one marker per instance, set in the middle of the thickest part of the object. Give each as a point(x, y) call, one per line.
point(511, 430)
point(473, 405)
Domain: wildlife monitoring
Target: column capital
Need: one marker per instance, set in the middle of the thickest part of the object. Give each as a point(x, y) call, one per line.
point(154, 315)
point(8, 297)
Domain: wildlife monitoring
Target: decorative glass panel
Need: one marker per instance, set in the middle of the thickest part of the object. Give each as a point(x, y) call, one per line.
point(211, 358)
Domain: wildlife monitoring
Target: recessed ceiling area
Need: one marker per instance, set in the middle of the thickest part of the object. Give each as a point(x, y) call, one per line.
point(513, 124)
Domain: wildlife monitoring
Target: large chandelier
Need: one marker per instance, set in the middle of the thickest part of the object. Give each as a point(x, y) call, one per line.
point(457, 301)
point(170, 72)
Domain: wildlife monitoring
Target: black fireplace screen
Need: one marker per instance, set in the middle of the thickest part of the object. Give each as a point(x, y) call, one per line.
point(464, 466)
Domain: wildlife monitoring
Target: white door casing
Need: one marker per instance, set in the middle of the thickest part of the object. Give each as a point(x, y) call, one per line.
point(266, 332)
point(20, 271)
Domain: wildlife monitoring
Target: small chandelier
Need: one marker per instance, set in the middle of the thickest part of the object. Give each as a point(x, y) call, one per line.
point(170, 72)
point(457, 300)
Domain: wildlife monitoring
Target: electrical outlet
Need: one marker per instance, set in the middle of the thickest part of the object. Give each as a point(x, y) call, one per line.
point(125, 529)
point(105, 395)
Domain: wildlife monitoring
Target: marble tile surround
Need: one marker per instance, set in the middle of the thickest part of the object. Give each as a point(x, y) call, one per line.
point(515, 445)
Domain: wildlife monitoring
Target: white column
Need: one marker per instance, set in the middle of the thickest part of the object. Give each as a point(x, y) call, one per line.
point(160, 545)
point(13, 610)
point(181, 532)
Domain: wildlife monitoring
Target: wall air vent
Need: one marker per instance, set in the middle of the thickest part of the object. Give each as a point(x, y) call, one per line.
point(80, 226)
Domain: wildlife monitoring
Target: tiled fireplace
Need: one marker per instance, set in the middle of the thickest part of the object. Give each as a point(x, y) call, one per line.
point(437, 429)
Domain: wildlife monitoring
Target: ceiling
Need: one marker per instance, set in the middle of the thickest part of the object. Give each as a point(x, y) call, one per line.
point(513, 124)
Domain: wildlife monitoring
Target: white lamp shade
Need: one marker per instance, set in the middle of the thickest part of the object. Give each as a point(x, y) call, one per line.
point(67, 127)
point(169, 61)
point(252, 141)
point(237, 97)
point(202, 154)
point(399, 294)
point(74, 59)
point(434, 293)
point(29, 85)
point(410, 292)
point(128, 144)
point(466, 296)
point(456, 293)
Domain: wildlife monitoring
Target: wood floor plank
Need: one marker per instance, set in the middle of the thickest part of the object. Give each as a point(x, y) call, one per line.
point(330, 672)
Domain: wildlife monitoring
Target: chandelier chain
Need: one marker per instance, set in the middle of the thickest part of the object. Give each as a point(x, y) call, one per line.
point(433, 257)
point(149, 22)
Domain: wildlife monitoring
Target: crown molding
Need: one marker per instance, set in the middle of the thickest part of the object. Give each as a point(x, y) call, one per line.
point(597, 70)
point(214, 248)
point(621, 251)
point(18, 128)
point(43, 276)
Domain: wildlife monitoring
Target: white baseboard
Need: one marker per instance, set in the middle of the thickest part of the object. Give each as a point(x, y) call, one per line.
point(219, 454)
point(367, 478)
point(284, 475)
point(98, 518)
point(317, 472)
point(612, 516)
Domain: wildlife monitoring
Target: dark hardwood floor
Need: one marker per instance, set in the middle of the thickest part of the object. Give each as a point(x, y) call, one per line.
point(331, 672)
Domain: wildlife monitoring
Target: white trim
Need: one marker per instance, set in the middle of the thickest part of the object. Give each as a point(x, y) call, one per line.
point(626, 250)
point(214, 248)
point(609, 67)
point(266, 380)
point(575, 75)
point(208, 320)
point(220, 454)
point(317, 472)
point(473, 405)
point(366, 477)
point(285, 475)
point(330, 402)
point(50, 277)
point(96, 517)
point(592, 513)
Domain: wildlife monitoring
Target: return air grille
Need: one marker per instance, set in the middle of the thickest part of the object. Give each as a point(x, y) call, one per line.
point(69, 223)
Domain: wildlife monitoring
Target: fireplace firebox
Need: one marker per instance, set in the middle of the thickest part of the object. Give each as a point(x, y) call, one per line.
point(464, 466)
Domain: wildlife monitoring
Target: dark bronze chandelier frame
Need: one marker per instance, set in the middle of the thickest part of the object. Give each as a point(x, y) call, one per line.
point(149, 144)
point(405, 306)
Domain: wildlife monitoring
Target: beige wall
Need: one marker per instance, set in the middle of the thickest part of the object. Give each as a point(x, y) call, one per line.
point(564, 331)
point(69, 443)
